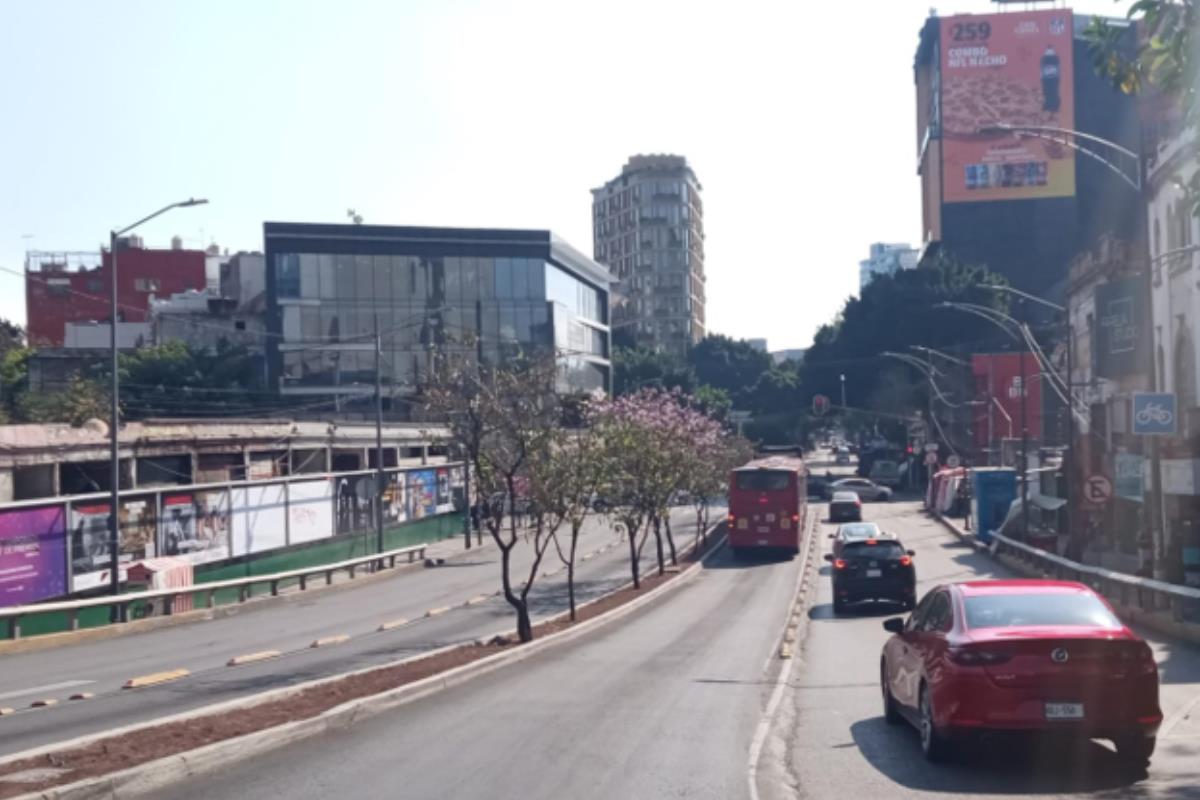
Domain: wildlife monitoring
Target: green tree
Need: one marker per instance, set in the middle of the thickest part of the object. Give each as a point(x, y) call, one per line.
point(640, 367)
point(1164, 60)
point(728, 364)
point(176, 379)
point(893, 313)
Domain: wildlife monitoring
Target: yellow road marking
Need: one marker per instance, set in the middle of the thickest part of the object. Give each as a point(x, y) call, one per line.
point(477, 599)
point(4, 712)
point(250, 658)
point(156, 678)
point(326, 641)
point(433, 612)
point(396, 623)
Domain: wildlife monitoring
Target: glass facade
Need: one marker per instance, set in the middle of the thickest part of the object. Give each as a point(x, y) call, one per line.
point(328, 306)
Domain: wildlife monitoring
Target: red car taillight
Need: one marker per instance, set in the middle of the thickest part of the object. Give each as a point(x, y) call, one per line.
point(839, 563)
point(1140, 656)
point(976, 657)
point(732, 519)
point(906, 561)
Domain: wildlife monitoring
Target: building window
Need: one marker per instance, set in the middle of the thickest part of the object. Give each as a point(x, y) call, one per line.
point(146, 284)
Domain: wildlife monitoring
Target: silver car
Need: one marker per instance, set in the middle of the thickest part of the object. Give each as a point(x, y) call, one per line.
point(867, 490)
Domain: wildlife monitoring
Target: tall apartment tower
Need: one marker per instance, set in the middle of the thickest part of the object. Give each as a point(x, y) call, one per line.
point(648, 228)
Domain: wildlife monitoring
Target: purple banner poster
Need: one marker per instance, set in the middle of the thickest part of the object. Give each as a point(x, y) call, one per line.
point(33, 555)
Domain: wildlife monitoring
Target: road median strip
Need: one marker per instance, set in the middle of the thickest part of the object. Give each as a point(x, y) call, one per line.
point(251, 658)
point(155, 678)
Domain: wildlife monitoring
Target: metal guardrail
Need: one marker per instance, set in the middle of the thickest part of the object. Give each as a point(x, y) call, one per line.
point(14, 614)
point(1127, 590)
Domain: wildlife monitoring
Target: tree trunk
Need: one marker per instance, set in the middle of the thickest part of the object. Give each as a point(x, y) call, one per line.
point(658, 544)
point(701, 532)
point(524, 626)
point(634, 558)
point(670, 540)
point(575, 526)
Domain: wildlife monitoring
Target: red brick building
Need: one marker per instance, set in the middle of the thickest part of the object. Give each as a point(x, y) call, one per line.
point(74, 287)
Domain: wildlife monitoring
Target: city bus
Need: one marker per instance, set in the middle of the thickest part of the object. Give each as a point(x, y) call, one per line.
point(767, 498)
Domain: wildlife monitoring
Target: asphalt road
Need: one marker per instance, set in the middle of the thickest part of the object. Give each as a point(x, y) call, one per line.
point(663, 704)
point(355, 610)
point(830, 740)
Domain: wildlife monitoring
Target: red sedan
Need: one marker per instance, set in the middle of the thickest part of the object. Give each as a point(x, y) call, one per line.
point(1023, 656)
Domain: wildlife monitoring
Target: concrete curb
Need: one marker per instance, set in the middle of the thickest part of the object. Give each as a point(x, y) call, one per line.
point(152, 776)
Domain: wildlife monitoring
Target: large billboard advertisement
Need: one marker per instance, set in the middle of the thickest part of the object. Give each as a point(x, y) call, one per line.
point(422, 493)
point(1122, 327)
point(998, 390)
point(259, 517)
point(1011, 69)
point(33, 555)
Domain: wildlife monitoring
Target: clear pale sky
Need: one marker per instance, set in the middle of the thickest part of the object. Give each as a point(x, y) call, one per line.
point(798, 118)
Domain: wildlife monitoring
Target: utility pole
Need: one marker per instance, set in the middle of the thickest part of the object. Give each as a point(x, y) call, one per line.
point(380, 476)
point(114, 534)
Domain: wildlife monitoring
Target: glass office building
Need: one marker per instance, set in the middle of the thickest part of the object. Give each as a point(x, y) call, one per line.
point(491, 292)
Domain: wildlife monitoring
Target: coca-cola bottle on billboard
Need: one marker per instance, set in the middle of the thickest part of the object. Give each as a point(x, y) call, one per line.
point(1051, 72)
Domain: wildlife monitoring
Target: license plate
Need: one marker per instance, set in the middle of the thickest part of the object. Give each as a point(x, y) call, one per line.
point(874, 573)
point(1064, 710)
point(762, 541)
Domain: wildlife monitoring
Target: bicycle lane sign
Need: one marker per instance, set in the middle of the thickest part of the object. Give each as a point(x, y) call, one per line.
point(1154, 413)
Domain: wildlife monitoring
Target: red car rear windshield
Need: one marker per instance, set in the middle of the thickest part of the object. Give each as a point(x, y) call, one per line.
point(1047, 608)
point(764, 480)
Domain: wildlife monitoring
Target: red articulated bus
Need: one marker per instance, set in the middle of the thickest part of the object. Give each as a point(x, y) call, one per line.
point(767, 498)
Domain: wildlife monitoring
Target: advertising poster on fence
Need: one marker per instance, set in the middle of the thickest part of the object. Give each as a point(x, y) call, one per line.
point(444, 501)
point(422, 493)
point(196, 525)
point(395, 507)
point(89, 546)
point(139, 529)
point(310, 511)
point(33, 555)
point(259, 519)
point(1016, 70)
point(354, 503)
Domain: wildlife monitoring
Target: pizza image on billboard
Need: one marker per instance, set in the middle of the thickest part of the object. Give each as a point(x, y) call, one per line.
point(1007, 70)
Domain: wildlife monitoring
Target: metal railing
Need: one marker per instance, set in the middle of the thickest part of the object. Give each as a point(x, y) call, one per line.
point(1123, 589)
point(121, 603)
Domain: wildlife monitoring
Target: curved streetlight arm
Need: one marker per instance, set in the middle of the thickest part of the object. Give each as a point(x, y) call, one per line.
point(997, 318)
point(1024, 295)
point(940, 354)
point(1066, 137)
point(191, 201)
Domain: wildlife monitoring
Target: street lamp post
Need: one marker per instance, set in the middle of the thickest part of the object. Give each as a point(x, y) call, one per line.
point(114, 535)
point(843, 380)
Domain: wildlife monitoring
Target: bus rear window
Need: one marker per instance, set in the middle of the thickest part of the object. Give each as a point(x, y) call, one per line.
point(764, 481)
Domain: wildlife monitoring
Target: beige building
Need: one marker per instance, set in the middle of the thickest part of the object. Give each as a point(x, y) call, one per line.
point(648, 228)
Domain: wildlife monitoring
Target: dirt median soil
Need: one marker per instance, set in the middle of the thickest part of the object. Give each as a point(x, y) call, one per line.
point(120, 752)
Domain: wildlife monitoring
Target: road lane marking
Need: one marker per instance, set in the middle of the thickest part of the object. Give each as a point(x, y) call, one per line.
point(433, 612)
point(82, 696)
point(155, 678)
point(1179, 716)
point(251, 658)
point(47, 688)
point(477, 599)
point(45, 702)
point(391, 626)
point(326, 641)
point(6, 711)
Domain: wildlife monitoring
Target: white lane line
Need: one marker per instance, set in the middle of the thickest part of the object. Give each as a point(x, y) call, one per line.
point(785, 674)
point(1178, 717)
point(50, 687)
